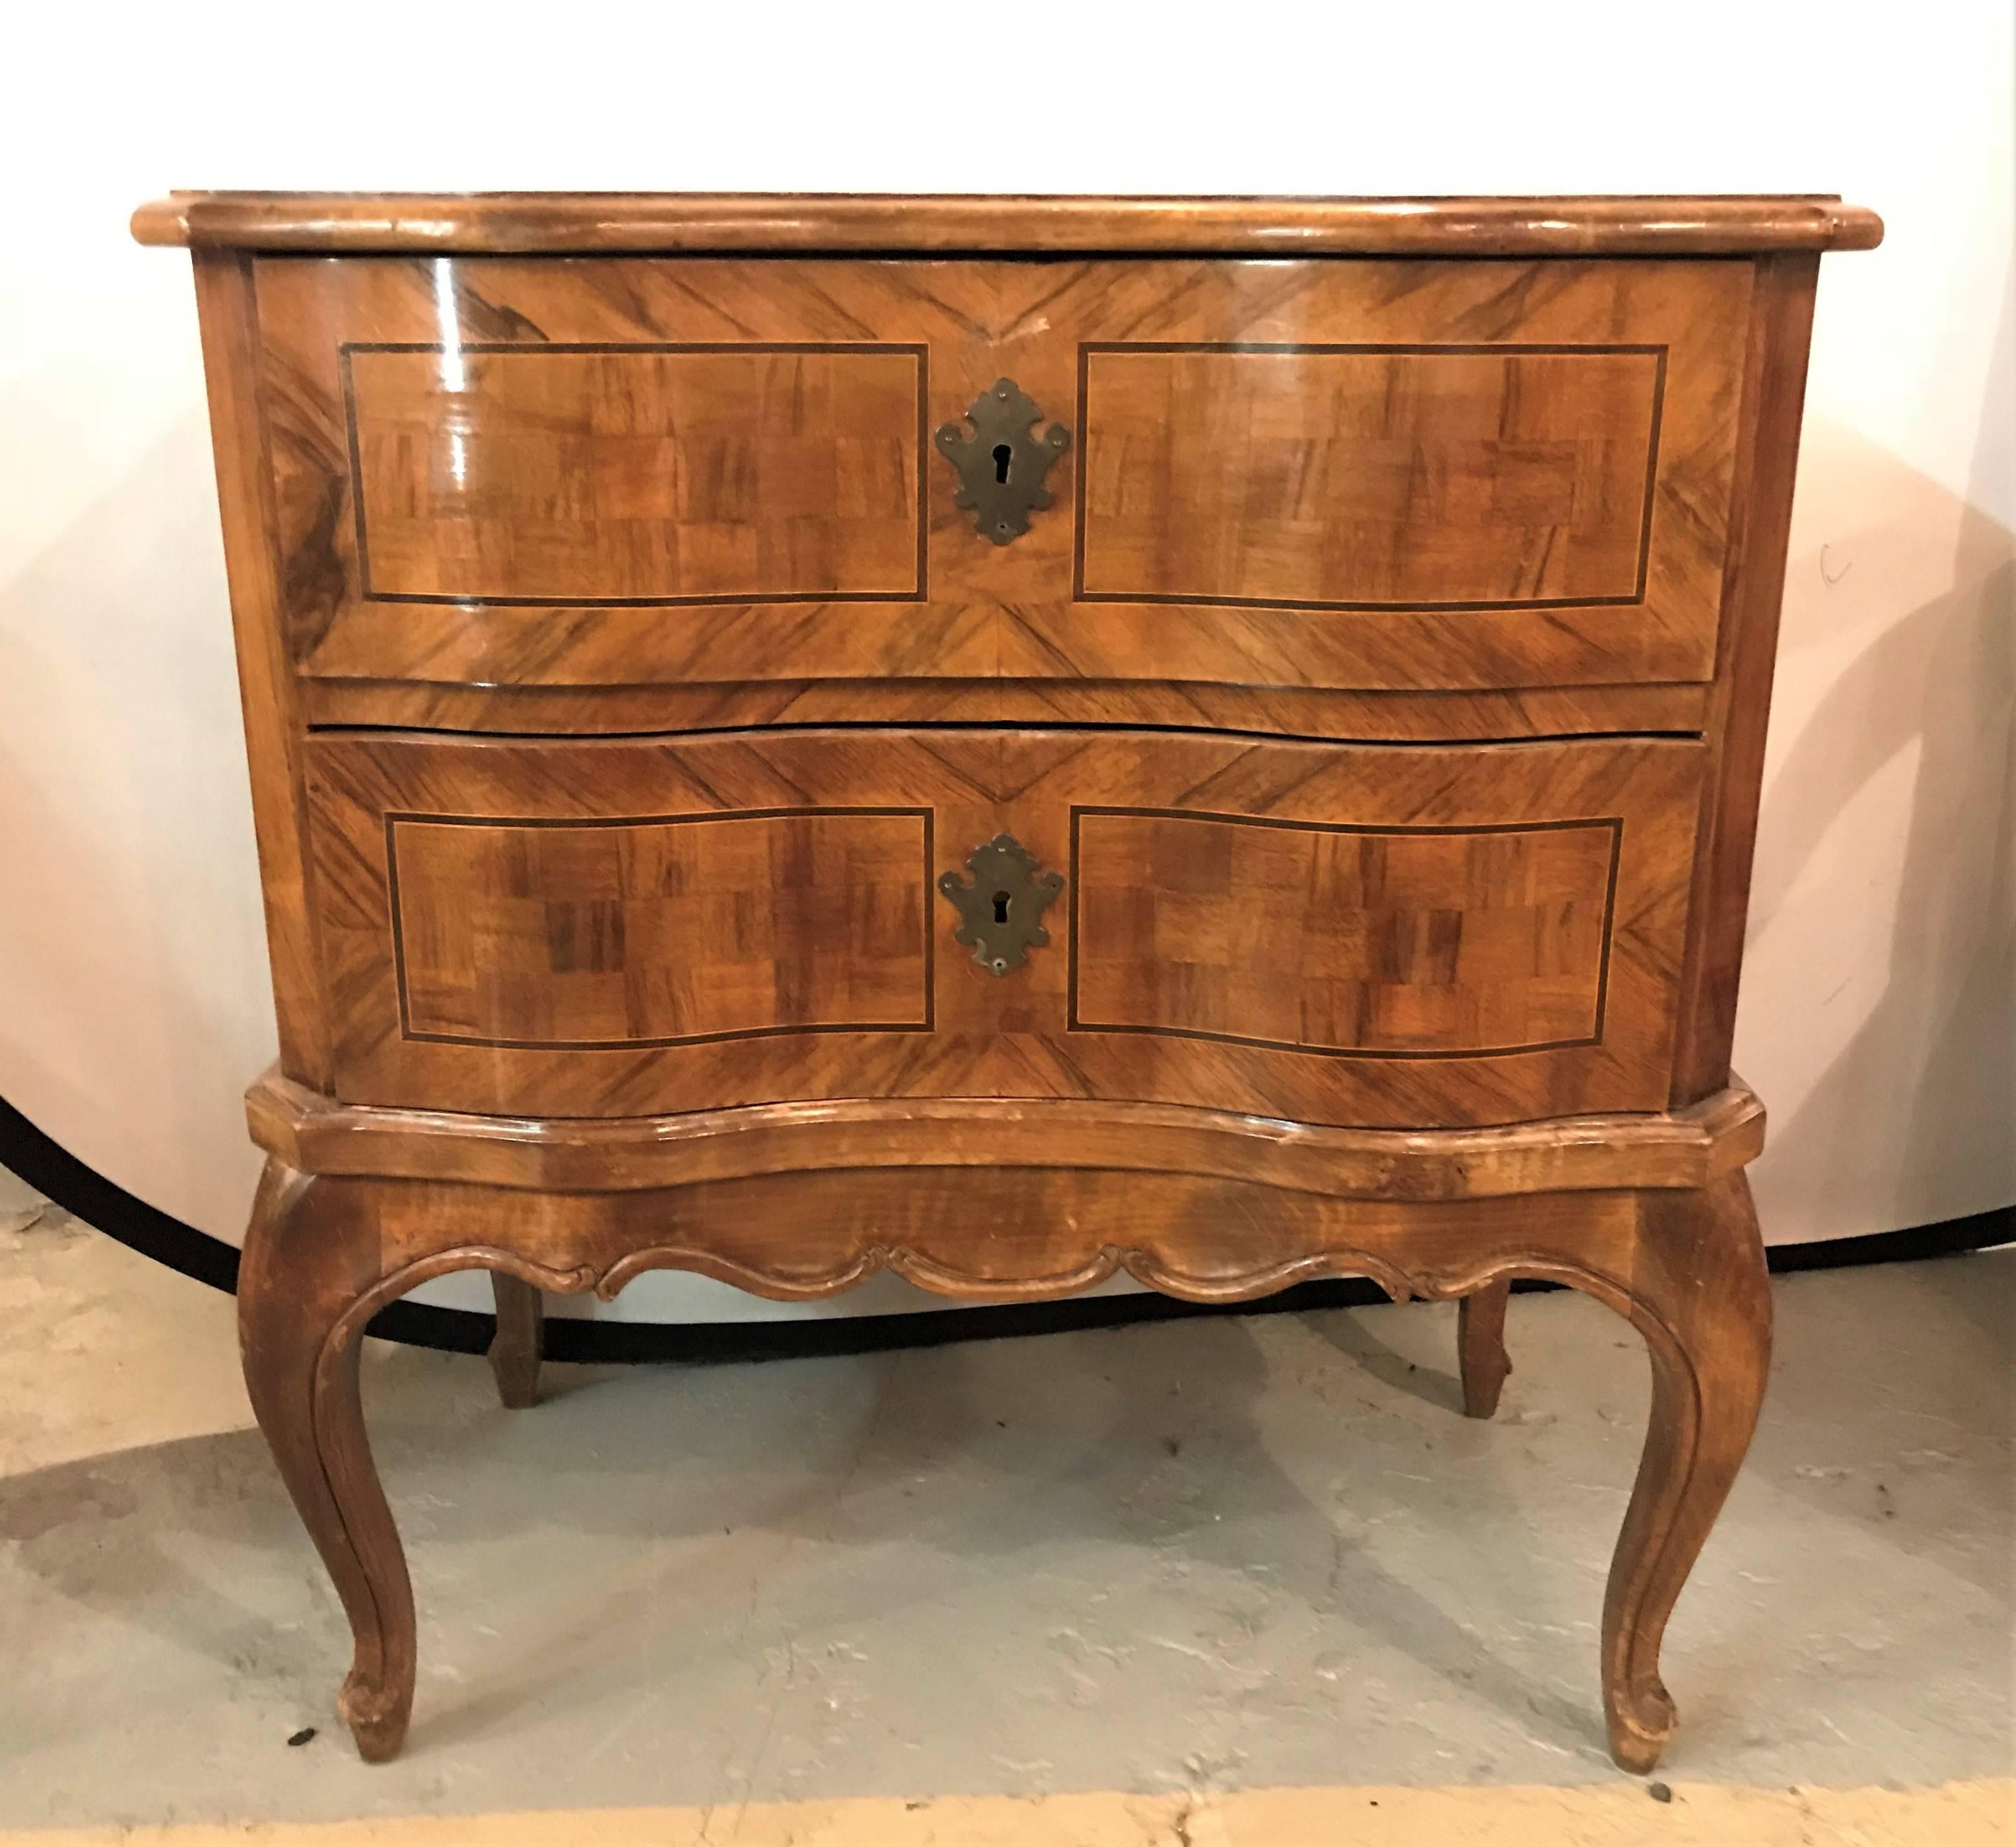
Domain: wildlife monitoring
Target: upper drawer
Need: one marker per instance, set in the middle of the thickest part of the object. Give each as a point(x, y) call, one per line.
point(1336, 474)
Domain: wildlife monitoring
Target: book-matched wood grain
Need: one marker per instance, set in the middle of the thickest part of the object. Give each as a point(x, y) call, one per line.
point(1534, 492)
point(1402, 936)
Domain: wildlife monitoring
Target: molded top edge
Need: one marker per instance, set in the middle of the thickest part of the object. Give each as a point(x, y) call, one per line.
point(562, 223)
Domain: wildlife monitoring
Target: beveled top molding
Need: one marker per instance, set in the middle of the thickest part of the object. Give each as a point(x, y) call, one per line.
point(560, 222)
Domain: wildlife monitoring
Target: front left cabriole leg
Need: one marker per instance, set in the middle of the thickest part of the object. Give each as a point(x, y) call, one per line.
point(310, 1258)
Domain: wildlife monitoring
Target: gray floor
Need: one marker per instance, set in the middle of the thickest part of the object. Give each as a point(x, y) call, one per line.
point(1227, 1553)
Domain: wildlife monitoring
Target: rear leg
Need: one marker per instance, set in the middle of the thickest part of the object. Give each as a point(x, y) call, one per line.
point(519, 1344)
point(1480, 1338)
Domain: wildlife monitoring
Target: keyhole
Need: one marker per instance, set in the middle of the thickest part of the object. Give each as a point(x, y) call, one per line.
point(1003, 456)
point(1001, 907)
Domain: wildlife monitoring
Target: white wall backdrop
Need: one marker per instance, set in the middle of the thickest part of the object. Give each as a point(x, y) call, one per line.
point(1877, 1011)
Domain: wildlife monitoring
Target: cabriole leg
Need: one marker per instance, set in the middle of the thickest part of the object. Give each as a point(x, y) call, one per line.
point(304, 1271)
point(1702, 1297)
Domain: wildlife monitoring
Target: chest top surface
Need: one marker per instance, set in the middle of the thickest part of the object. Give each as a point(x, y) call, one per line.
point(535, 222)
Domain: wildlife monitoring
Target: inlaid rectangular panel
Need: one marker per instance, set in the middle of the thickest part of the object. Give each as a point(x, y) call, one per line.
point(1344, 941)
point(660, 931)
point(636, 473)
point(1363, 478)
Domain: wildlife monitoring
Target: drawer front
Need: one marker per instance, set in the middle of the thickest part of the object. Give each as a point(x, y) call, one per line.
point(1385, 935)
point(605, 473)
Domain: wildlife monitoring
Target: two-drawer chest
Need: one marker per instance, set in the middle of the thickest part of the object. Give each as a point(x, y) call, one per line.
point(1008, 740)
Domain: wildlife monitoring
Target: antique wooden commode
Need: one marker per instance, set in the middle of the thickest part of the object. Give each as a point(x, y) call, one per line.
point(1006, 740)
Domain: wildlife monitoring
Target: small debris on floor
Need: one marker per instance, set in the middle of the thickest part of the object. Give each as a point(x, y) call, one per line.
point(303, 1735)
point(1659, 1792)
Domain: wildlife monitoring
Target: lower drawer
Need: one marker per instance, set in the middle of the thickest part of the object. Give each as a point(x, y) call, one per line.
point(1385, 935)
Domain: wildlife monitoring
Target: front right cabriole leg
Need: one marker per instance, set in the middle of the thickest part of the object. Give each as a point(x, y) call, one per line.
point(1700, 1295)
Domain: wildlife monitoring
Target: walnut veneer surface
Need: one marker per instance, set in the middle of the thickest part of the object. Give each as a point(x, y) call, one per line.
point(1293, 818)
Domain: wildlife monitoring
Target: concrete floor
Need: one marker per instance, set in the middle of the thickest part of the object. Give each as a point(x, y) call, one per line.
point(1210, 1558)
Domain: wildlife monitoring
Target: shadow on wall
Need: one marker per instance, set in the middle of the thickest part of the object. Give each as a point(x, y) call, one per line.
point(133, 1004)
point(1879, 1002)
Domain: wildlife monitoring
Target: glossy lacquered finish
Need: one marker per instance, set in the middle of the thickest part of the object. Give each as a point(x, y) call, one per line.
point(811, 221)
point(1308, 834)
point(1285, 477)
point(1437, 936)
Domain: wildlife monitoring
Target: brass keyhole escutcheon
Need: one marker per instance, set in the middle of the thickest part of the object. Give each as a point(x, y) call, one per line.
point(1001, 465)
point(1001, 907)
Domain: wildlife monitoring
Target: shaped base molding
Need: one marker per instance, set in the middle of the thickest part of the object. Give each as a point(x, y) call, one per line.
point(313, 1133)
